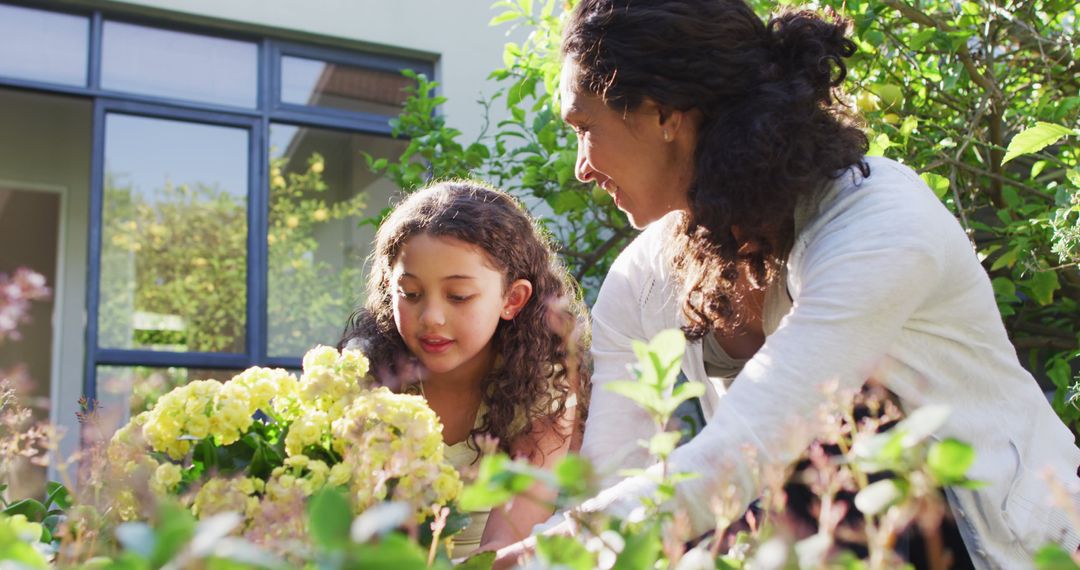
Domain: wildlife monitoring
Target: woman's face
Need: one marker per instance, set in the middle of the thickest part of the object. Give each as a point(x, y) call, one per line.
point(643, 158)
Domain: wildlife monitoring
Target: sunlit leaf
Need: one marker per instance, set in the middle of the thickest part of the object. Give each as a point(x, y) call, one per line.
point(949, 460)
point(1035, 139)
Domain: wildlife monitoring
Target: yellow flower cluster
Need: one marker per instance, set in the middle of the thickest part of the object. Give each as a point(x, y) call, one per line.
point(337, 431)
point(328, 385)
point(238, 495)
point(393, 445)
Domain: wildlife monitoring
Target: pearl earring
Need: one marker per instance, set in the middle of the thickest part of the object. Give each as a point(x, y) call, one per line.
point(667, 136)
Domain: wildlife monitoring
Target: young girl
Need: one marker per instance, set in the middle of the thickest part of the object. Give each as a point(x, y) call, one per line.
point(468, 307)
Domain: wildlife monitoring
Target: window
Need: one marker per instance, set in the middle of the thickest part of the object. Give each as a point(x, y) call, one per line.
point(227, 191)
point(325, 84)
point(173, 264)
point(178, 65)
point(43, 46)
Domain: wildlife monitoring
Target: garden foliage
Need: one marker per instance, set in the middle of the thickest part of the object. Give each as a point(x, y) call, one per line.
point(983, 99)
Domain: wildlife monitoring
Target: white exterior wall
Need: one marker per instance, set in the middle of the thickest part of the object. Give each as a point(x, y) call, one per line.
point(453, 33)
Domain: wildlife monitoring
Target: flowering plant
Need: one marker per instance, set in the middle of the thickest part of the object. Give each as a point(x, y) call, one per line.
point(264, 442)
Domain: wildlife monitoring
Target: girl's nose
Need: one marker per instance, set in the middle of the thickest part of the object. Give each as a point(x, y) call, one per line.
point(432, 315)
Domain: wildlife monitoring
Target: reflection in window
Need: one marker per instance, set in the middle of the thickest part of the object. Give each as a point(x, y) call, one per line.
point(174, 236)
point(320, 191)
point(43, 46)
point(178, 65)
point(322, 84)
point(126, 391)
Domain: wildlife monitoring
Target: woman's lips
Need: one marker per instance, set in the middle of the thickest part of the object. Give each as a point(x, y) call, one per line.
point(435, 345)
point(613, 190)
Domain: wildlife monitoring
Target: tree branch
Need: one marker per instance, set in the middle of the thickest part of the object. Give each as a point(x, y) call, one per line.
point(919, 17)
point(1030, 342)
point(998, 177)
point(588, 261)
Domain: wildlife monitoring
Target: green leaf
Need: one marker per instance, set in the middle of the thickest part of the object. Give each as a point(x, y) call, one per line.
point(1037, 167)
point(498, 480)
point(1034, 139)
point(663, 443)
point(574, 473)
point(1007, 259)
point(879, 452)
point(878, 496)
point(879, 145)
point(1004, 289)
point(175, 527)
point(22, 555)
point(482, 561)
point(478, 497)
point(641, 550)
point(949, 460)
point(939, 184)
point(57, 493)
point(330, 518)
point(564, 551)
point(669, 345)
point(1053, 557)
point(642, 394)
point(32, 509)
point(503, 18)
point(920, 39)
point(392, 551)
point(1073, 174)
point(1042, 286)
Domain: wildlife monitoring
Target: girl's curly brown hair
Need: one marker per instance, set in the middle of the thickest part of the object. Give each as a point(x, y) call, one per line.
point(772, 131)
point(539, 348)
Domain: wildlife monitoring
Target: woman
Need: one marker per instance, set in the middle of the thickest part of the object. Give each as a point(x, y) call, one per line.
point(794, 260)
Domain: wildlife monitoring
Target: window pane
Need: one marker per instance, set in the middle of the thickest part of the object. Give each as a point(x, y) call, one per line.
point(323, 84)
point(174, 231)
point(126, 391)
point(178, 65)
point(320, 191)
point(43, 46)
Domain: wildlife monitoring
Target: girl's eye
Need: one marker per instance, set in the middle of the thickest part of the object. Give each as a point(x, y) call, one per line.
point(408, 295)
point(460, 298)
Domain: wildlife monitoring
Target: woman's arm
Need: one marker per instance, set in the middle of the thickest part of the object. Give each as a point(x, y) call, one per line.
point(615, 423)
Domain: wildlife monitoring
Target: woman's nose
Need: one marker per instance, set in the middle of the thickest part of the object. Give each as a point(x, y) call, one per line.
point(583, 170)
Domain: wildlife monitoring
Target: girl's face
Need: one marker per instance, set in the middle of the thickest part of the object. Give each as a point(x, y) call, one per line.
point(448, 302)
point(643, 159)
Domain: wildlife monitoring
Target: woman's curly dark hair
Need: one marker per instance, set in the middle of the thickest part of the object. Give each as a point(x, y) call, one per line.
point(772, 129)
point(539, 348)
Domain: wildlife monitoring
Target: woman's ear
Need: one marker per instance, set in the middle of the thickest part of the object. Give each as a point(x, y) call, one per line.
point(517, 294)
point(667, 121)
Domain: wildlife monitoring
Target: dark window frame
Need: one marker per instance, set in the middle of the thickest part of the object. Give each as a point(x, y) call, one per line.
point(269, 108)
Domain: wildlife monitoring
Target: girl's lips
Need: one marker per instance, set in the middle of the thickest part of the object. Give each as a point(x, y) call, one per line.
point(435, 345)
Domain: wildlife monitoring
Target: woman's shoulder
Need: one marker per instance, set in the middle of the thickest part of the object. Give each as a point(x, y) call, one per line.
point(888, 201)
point(639, 288)
point(645, 258)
